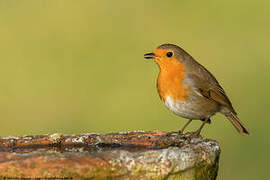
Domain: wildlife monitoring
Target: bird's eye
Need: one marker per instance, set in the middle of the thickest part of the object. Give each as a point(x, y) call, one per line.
point(169, 54)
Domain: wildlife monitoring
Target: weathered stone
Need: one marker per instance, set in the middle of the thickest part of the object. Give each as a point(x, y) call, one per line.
point(129, 155)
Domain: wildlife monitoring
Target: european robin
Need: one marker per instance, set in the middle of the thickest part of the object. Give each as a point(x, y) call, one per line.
point(189, 90)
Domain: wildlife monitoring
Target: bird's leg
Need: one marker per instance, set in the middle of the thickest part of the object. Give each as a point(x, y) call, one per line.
point(197, 133)
point(182, 130)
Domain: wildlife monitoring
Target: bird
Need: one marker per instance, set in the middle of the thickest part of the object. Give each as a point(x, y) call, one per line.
point(189, 90)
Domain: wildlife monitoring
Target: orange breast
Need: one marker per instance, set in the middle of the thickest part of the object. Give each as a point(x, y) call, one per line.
point(170, 80)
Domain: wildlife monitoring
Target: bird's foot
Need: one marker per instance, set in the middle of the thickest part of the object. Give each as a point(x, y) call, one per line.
point(195, 133)
point(180, 132)
point(173, 132)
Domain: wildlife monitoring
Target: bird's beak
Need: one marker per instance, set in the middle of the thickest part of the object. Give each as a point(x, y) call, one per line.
point(149, 56)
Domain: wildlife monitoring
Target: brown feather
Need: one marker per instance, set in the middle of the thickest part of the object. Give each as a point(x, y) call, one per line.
point(239, 126)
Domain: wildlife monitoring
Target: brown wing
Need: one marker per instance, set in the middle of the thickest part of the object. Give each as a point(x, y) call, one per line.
point(208, 86)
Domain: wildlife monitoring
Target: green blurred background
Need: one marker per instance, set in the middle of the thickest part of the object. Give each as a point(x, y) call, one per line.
point(77, 67)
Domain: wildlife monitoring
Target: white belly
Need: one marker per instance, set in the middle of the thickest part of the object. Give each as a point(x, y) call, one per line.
point(183, 109)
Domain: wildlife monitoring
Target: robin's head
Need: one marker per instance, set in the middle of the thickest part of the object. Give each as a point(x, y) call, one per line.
point(166, 55)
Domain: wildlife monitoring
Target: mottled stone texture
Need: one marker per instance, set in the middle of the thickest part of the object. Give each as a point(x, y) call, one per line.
point(127, 155)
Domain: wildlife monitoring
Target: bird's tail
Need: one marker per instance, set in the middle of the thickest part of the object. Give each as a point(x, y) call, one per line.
point(239, 126)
